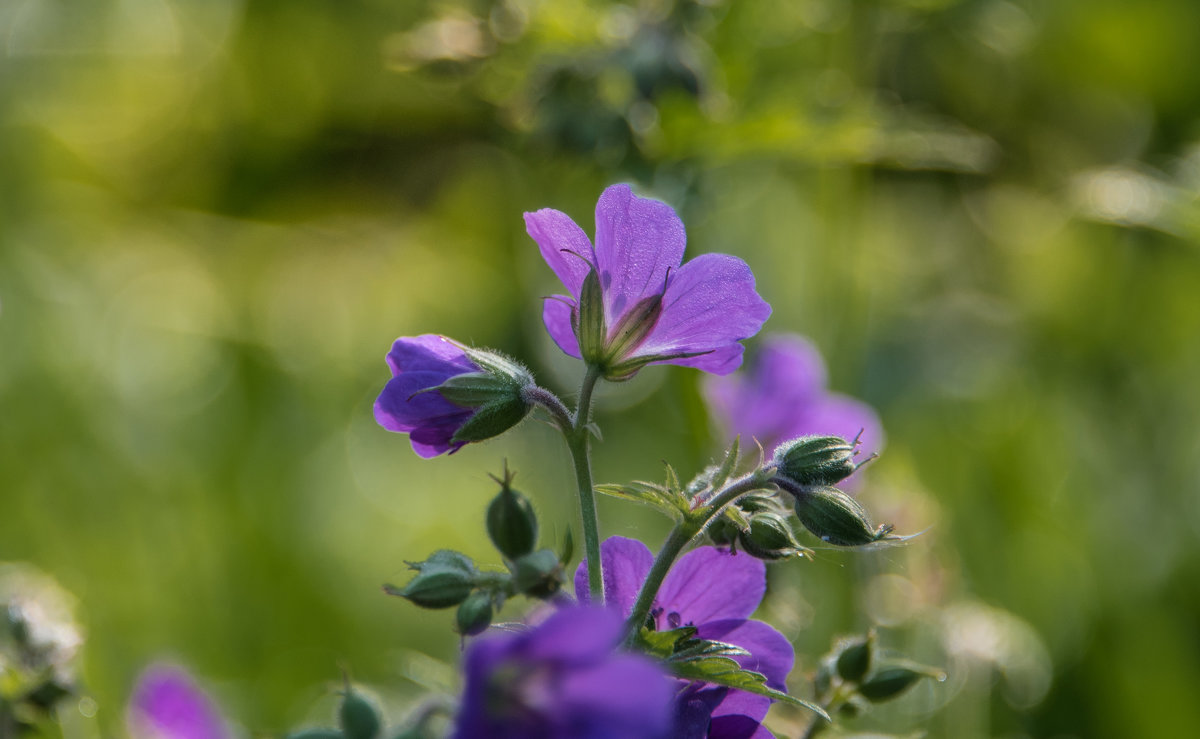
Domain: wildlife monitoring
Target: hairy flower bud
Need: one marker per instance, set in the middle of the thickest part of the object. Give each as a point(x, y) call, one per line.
point(893, 680)
point(443, 580)
point(770, 537)
point(475, 613)
point(854, 658)
point(357, 717)
point(538, 574)
point(511, 522)
point(833, 516)
point(816, 460)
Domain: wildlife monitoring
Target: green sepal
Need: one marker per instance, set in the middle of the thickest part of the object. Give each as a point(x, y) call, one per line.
point(357, 717)
point(497, 364)
point(590, 324)
point(538, 574)
point(854, 658)
point(728, 464)
point(492, 419)
point(893, 679)
point(474, 389)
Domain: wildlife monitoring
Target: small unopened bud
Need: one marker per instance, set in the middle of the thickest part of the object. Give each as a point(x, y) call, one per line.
point(538, 574)
point(722, 531)
point(770, 537)
point(475, 613)
point(442, 581)
point(816, 460)
point(854, 659)
point(891, 681)
point(835, 517)
point(511, 522)
point(357, 717)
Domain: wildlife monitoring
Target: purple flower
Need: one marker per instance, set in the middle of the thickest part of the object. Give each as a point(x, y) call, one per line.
point(631, 303)
point(444, 395)
point(564, 679)
point(783, 396)
point(715, 591)
point(167, 704)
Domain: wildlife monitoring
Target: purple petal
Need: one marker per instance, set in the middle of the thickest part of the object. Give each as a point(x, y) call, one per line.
point(557, 316)
point(430, 441)
point(710, 304)
point(708, 584)
point(638, 241)
point(694, 708)
point(574, 635)
point(167, 704)
point(625, 563)
point(563, 244)
point(625, 696)
point(787, 376)
point(429, 353)
point(402, 407)
point(770, 652)
point(739, 716)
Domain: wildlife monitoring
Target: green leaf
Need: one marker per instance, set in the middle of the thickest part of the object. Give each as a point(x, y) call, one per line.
point(724, 671)
point(662, 644)
point(673, 485)
point(648, 493)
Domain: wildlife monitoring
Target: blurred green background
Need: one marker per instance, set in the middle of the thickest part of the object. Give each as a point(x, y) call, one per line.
point(216, 215)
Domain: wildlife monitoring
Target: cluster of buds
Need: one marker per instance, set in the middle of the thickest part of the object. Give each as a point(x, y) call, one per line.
point(760, 526)
point(854, 675)
point(808, 468)
point(447, 579)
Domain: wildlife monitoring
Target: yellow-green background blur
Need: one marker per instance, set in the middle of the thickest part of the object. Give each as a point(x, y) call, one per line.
point(216, 215)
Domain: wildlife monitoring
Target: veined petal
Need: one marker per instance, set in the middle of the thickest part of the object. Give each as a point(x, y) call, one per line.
point(430, 441)
point(787, 376)
point(403, 407)
point(625, 562)
point(637, 241)
point(556, 314)
point(709, 306)
point(429, 353)
point(623, 697)
point(563, 244)
point(709, 584)
point(770, 652)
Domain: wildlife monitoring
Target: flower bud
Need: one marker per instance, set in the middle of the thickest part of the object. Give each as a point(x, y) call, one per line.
point(511, 522)
point(769, 537)
point(722, 531)
point(443, 580)
point(357, 717)
point(891, 681)
point(816, 460)
point(835, 517)
point(495, 392)
point(854, 659)
point(538, 574)
point(475, 613)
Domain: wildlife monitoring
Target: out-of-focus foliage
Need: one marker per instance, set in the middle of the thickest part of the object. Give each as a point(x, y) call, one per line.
point(215, 216)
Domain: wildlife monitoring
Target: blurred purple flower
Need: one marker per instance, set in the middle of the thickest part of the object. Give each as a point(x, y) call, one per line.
point(435, 425)
point(564, 679)
point(783, 395)
point(654, 310)
point(715, 591)
point(167, 704)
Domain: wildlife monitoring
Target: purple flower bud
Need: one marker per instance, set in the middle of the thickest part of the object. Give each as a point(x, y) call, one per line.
point(561, 680)
point(632, 302)
point(444, 395)
point(167, 704)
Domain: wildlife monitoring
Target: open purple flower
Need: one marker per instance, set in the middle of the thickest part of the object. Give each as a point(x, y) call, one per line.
point(715, 591)
point(444, 395)
point(167, 704)
point(631, 302)
point(564, 679)
point(783, 395)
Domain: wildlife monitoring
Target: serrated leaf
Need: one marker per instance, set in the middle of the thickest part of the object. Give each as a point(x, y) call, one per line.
point(725, 469)
point(662, 644)
point(702, 648)
point(649, 493)
point(728, 673)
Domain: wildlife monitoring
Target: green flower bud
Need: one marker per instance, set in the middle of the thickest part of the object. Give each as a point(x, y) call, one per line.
point(833, 516)
point(538, 574)
point(443, 580)
point(357, 717)
point(816, 460)
point(893, 680)
point(496, 393)
point(770, 537)
point(316, 734)
point(511, 522)
point(475, 613)
point(722, 531)
point(854, 659)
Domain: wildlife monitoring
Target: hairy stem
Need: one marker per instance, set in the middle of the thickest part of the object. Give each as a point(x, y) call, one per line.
point(579, 443)
point(680, 536)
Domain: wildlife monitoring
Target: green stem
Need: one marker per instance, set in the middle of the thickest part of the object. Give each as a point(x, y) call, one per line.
point(680, 536)
point(578, 440)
